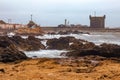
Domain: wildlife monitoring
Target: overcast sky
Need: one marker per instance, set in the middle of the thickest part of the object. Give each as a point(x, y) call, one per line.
point(53, 12)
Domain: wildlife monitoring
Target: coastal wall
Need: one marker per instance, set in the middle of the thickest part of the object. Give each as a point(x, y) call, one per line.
point(57, 29)
point(81, 29)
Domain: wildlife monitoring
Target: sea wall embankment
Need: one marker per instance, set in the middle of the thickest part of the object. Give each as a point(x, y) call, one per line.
point(64, 29)
point(90, 30)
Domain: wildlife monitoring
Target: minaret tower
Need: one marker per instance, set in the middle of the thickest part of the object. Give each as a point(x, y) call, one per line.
point(31, 17)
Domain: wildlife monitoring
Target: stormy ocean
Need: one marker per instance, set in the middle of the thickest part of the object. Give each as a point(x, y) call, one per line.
point(95, 38)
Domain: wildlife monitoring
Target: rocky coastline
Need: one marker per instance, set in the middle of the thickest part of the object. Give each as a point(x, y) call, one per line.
point(76, 47)
point(84, 61)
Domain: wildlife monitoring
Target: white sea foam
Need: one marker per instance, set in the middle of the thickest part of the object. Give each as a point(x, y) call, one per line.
point(95, 38)
point(48, 36)
point(45, 53)
point(70, 43)
point(10, 34)
point(24, 37)
point(44, 42)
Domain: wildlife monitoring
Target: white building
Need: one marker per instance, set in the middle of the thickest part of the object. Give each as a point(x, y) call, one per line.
point(4, 25)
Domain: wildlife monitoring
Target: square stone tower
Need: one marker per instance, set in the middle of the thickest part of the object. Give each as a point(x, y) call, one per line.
point(97, 21)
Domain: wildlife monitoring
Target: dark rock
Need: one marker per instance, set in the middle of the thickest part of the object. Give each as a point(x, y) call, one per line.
point(105, 50)
point(77, 32)
point(71, 32)
point(51, 33)
point(63, 32)
point(61, 43)
point(31, 43)
point(34, 56)
point(82, 45)
point(4, 44)
point(82, 48)
point(9, 52)
point(2, 70)
point(109, 50)
point(70, 43)
point(34, 43)
point(17, 40)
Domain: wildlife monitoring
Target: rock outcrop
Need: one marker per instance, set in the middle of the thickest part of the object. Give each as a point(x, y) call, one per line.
point(61, 43)
point(71, 32)
point(29, 31)
point(8, 51)
point(105, 50)
point(29, 44)
point(80, 47)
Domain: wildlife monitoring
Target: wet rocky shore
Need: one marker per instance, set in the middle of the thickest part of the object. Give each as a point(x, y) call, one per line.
point(11, 48)
point(84, 60)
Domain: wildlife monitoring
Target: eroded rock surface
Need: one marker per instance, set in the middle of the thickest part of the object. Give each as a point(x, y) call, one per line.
point(8, 51)
point(62, 42)
point(105, 50)
point(29, 44)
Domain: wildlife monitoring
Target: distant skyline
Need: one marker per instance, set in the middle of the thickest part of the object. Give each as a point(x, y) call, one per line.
point(53, 12)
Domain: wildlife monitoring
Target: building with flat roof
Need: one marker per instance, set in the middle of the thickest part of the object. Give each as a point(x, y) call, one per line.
point(97, 21)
